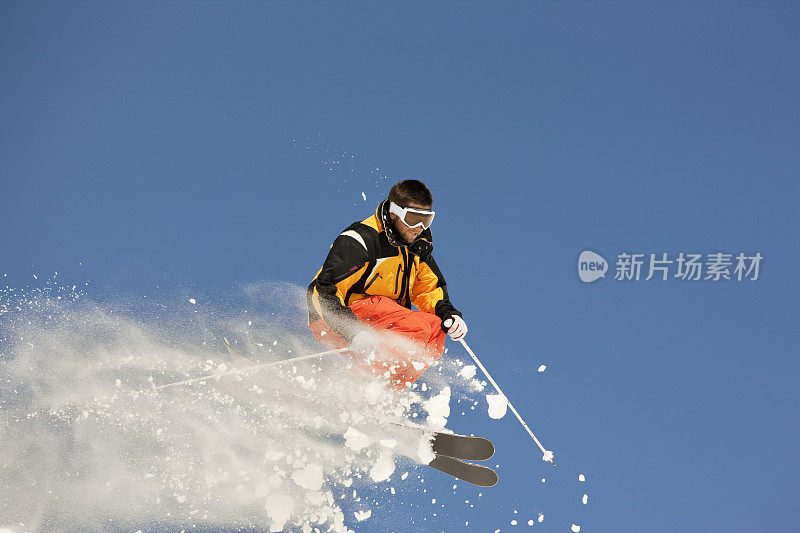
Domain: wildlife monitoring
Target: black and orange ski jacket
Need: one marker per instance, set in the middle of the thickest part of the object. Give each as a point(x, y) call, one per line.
point(365, 260)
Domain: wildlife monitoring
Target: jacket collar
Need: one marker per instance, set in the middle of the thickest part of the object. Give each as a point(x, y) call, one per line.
point(421, 247)
point(382, 213)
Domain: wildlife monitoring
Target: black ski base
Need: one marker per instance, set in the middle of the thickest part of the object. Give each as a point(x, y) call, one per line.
point(462, 446)
point(479, 475)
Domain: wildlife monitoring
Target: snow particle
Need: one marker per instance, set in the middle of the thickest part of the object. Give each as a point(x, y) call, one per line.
point(513, 522)
point(581, 477)
point(279, 509)
point(310, 477)
point(585, 499)
point(363, 515)
point(192, 301)
point(355, 440)
point(542, 368)
point(384, 467)
point(364, 196)
point(468, 372)
point(575, 528)
point(438, 408)
point(498, 405)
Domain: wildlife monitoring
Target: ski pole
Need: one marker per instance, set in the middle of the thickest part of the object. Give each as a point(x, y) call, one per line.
point(250, 368)
point(547, 455)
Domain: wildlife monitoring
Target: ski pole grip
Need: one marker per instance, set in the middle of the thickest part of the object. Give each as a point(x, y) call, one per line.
point(447, 323)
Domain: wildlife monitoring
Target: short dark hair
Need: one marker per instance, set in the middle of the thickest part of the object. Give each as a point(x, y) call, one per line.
point(410, 191)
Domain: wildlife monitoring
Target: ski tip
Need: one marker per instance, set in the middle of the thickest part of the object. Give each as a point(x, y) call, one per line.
point(488, 450)
point(479, 475)
point(490, 479)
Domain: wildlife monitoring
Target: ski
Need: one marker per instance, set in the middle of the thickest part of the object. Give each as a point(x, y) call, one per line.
point(479, 475)
point(462, 446)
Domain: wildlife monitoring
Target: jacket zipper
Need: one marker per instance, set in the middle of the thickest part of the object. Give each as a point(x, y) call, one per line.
point(376, 276)
point(397, 279)
point(403, 286)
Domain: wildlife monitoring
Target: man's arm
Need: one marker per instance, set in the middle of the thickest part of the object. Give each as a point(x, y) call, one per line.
point(344, 266)
point(429, 292)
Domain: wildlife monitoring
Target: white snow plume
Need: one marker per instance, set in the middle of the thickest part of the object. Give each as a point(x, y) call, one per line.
point(88, 445)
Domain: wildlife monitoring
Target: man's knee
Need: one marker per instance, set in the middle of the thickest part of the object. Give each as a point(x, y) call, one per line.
point(326, 336)
point(435, 325)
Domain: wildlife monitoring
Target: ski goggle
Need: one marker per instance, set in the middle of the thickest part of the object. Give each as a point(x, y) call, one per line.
point(411, 216)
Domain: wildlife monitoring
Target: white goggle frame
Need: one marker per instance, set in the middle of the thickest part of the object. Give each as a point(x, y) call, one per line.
point(402, 211)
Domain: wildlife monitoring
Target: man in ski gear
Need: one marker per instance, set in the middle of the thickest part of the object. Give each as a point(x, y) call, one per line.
point(376, 269)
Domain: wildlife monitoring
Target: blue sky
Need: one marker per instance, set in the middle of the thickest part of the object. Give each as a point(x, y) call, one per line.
point(219, 143)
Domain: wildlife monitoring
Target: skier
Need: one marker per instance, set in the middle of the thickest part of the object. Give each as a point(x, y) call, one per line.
point(376, 269)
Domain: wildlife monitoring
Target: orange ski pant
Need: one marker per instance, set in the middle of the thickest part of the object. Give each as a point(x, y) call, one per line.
point(382, 313)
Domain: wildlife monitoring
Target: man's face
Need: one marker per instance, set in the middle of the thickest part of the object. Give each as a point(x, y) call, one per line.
point(409, 234)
